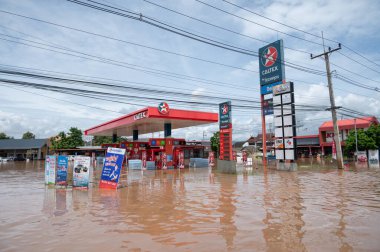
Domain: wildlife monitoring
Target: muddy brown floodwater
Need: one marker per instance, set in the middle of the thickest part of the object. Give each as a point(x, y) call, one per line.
point(316, 208)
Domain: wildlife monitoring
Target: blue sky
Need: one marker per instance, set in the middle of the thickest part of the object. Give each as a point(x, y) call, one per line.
point(46, 113)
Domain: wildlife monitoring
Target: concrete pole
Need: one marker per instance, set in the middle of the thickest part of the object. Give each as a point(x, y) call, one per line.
point(339, 155)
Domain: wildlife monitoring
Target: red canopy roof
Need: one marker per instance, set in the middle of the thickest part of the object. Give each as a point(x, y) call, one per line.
point(363, 122)
point(149, 120)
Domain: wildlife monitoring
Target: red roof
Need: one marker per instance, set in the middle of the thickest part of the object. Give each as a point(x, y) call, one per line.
point(150, 120)
point(363, 122)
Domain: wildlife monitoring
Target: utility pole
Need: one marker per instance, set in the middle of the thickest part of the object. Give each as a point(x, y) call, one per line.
point(325, 53)
point(356, 141)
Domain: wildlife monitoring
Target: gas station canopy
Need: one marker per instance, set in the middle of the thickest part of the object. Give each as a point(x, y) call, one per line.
point(152, 119)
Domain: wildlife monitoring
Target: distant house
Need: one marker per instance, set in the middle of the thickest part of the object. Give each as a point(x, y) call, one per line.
point(326, 131)
point(26, 148)
point(258, 141)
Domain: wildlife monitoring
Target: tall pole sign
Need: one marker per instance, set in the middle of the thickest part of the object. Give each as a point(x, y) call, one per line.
point(284, 121)
point(225, 131)
point(272, 72)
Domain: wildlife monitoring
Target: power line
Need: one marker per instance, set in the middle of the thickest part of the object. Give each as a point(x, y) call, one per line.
point(253, 22)
point(300, 30)
point(219, 27)
point(354, 60)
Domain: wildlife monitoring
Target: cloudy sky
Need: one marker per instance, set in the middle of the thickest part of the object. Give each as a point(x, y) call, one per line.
point(132, 53)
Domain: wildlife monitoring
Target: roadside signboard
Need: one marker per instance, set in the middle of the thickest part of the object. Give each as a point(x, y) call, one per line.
point(373, 158)
point(50, 164)
point(111, 168)
point(225, 115)
point(62, 170)
point(81, 171)
point(272, 63)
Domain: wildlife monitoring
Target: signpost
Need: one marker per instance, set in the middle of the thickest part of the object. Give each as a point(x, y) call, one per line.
point(284, 121)
point(111, 168)
point(272, 72)
point(225, 135)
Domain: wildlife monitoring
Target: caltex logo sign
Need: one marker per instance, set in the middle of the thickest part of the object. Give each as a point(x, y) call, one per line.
point(269, 56)
point(163, 108)
point(271, 63)
point(225, 109)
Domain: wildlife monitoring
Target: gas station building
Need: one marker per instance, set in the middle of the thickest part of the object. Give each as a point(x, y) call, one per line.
point(164, 152)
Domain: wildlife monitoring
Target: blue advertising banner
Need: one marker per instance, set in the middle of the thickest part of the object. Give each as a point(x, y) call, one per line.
point(268, 89)
point(111, 168)
point(62, 166)
point(271, 63)
point(225, 118)
point(268, 107)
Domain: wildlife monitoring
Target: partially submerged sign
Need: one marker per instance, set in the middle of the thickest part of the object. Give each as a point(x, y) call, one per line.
point(62, 170)
point(50, 164)
point(81, 171)
point(111, 168)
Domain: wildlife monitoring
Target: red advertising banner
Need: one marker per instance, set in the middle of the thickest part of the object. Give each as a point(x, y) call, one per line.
point(143, 159)
point(234, 155)
point(164, 161)
point(211, 159)
point(181, 160)
point(244, 157)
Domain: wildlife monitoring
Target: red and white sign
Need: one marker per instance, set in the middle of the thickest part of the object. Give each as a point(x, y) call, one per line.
point(181, 160)
point(244, 157)
point(269, 56)
point(211, 159)
point(164, 161)
point(163, 108)
point(143, 160)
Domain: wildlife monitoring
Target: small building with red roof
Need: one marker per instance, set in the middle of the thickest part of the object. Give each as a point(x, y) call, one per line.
point(326, 130)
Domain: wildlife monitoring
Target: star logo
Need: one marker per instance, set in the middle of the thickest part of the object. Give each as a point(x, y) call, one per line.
point(163, 108)
point(225, 109)
point(269, 56)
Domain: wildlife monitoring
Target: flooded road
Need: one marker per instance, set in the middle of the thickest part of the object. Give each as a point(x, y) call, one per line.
point(313, 209)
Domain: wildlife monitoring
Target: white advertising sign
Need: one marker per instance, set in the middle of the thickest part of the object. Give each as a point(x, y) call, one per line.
point(286, 98)
point(288, 131)
point(278, 132)
point(287, 109)
point(289, 154)
point(277, 111)
point(373, 159)
point(81, 171)
point(288, 120)
point(276, 100)
point(362, 156)
point(289, 143)
point(50, 164)
point(280, 154)
point(278, 121)
point(281, 88)
point(279, 144)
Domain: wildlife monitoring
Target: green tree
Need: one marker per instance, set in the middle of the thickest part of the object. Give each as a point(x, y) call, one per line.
point(374, 133)
point(214, 140)
point(28, 135)
point(99, 140)
point(4, 136)
point(67, 141)
point(366, 140)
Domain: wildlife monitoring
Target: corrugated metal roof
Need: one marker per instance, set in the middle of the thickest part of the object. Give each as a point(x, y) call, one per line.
point(22, 144)
point(363, 122)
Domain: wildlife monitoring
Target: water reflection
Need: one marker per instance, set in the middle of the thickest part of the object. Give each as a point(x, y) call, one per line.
point(283, 216)
point(313, 209)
